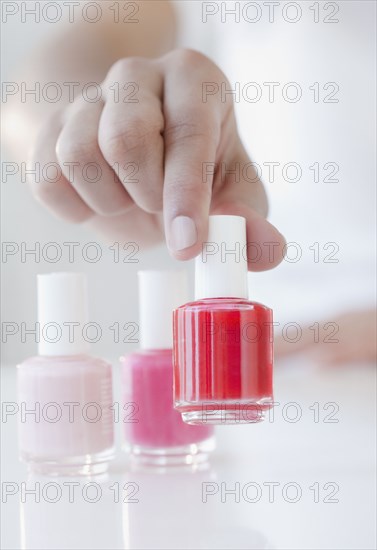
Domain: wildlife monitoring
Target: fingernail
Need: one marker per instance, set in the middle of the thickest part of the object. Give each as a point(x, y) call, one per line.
point(183, 233)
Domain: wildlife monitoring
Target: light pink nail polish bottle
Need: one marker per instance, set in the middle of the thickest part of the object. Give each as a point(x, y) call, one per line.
point(64, 394)
point(155, 432)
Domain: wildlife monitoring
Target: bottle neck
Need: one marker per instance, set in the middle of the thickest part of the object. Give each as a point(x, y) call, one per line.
point(221, 267)
point(218, 279)
point(51, 347)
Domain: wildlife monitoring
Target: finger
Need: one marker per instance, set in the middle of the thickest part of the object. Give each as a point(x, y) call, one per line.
point(83, 164)
point(52, 188)
point(192, 134)
point(130, 129)
point(125, 229)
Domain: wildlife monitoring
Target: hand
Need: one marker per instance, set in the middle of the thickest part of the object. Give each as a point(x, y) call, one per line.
point(354, 341)
point(151, 155)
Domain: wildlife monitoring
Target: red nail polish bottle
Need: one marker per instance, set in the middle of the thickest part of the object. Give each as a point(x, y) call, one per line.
point(223, 343)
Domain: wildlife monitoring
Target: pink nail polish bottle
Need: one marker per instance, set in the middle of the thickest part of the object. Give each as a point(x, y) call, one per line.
point(155, 433)
point(223, 343)
point(64, 394)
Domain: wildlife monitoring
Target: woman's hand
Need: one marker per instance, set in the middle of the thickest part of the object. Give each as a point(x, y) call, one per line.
point(168, 155)
point(354, 341)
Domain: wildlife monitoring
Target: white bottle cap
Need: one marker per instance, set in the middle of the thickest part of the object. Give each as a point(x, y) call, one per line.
point(62, 298)
point(221, 267)
point(160, 292)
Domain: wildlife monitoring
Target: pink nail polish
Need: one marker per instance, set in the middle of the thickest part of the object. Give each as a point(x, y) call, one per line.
point(155, 433)
point(223, 343)
point(64, 394)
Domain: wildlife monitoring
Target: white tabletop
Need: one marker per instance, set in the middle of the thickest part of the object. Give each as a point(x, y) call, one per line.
point(327, 467)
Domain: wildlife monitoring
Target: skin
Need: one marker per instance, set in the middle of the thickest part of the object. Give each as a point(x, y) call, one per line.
point(167, 134)
point(351, 338)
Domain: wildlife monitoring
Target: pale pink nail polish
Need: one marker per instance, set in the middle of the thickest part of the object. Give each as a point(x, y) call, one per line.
point(154, 431)
point(64, 394)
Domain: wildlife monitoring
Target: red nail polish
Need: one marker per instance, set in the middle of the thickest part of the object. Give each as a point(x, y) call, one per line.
point(223, 343)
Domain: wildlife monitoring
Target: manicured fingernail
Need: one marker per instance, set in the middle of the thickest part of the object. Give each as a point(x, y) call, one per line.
point(183, 233)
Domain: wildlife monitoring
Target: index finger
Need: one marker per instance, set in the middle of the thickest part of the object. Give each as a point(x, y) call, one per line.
point(192, 135)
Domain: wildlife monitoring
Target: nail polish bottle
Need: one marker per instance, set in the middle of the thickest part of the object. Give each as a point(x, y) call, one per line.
point(154, 432)
point(64, 394)
point(223, 343)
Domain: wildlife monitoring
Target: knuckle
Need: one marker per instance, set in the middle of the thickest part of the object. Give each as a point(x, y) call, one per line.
point(124, 65)
point(189, 191)
point(137, 135)
point(191, 58)
point(151, 201)
point(110, 210)
point(186, 129)
point(71, 149)
point(43, 190)
point(46, 191)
